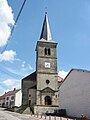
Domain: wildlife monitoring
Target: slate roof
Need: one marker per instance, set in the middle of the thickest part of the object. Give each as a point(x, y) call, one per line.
point(31, 77)
point(46, 33)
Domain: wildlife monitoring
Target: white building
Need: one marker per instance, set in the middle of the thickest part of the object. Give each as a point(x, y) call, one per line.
point(75, 93)
point(13, 98)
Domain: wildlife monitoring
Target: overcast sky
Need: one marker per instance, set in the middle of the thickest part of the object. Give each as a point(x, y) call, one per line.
point(70, 27)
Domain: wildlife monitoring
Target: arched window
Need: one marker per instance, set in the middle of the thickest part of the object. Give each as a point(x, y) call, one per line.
point(48, 51)
point(48, 100)
point(45, 51)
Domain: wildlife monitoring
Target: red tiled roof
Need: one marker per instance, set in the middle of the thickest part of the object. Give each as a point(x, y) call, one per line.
point(2, 97)
point(60, 79)
point(11, 92)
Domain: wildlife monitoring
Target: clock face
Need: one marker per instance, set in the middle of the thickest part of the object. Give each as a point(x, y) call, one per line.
point(47, 65)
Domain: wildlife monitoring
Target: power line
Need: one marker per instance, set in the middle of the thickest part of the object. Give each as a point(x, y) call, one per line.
point(11, 75)
point(12, 30)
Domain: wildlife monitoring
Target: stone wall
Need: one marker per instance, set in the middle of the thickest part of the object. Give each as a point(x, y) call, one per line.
point(44, 109)
point(41, 81)
point(25, 91)
point(32, 96)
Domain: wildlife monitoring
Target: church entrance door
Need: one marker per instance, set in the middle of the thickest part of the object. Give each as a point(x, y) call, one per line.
point(47, 100)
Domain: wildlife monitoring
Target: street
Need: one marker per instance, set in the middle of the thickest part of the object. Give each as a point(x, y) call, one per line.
point(7, 115)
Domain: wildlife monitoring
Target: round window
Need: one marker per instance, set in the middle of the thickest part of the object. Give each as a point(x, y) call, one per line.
point(47, 81)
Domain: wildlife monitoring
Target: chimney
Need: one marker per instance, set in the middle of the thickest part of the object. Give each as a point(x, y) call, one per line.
point(14, 89)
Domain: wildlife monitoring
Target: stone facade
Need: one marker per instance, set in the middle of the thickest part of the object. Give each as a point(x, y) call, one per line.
point(41, 87)
point(27, 83)
point(47, 78)
point(43, 109)
point(32, 96)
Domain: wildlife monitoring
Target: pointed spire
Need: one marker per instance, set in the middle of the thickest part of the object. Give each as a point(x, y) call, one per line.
point(46, 33)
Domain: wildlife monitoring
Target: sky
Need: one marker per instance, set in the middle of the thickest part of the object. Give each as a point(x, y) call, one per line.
point(70, 27)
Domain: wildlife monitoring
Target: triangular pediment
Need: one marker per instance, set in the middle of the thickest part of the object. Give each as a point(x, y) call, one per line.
point(47, 89)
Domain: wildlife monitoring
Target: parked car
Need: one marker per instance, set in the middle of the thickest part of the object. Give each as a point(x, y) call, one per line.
point(58, 112)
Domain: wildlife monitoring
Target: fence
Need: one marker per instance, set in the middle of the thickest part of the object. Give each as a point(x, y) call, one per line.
point(44, 117)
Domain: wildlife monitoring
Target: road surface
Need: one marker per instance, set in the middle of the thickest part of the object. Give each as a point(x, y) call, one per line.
point(6, 115)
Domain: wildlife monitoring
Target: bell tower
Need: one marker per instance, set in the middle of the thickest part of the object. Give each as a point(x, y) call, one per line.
point(46, 70)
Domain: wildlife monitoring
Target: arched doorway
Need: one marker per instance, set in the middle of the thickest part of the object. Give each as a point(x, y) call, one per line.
point(48, 100)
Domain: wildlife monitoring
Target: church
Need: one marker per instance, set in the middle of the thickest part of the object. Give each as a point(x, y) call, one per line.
point(40, 89)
